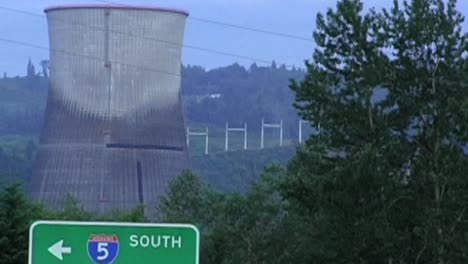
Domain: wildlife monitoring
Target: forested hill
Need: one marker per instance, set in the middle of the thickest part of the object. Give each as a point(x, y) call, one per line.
point(234, 93)
point(239, 95)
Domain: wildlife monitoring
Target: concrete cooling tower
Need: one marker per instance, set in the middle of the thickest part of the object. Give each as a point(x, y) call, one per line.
point(114, 134)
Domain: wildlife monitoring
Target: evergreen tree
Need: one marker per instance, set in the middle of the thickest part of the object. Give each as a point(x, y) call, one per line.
point(30, 70)
point(273, 65)
point(31, 77)
point(15, 217)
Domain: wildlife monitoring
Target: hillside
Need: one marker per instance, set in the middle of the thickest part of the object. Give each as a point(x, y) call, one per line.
point(233, 94)
point(235, 171)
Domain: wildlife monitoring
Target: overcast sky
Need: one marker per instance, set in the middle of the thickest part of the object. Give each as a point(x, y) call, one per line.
point(294, 17)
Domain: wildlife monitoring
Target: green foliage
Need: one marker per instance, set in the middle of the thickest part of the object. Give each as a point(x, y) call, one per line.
point(251, 224)
point(246, 95)
point(16, 158)
point(236, 171)
point(186, 200)
point(73, 210)
point(15, 215)
point(235, 228)
point(382, 182)
point(136, 215)
point(22, 105)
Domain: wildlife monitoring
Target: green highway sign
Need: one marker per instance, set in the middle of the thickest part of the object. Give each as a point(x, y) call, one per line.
point(67, 242)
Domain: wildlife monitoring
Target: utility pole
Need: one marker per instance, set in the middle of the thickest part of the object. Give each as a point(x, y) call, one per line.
point(235, 129)
point(271, 125)
point(194, 133)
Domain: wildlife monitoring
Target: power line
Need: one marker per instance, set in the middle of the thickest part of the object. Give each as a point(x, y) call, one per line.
point(219, 23)
point(278, 34)
point(207, 50)
point(21, 11)
point(32, 45)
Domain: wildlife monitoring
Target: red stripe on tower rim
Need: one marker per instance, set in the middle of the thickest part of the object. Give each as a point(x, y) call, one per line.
point(124, 7)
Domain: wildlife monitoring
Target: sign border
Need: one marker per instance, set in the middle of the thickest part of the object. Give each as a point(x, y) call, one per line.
point(112, 224)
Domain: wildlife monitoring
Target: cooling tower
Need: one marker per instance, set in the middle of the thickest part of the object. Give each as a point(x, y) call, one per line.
point(114, 133)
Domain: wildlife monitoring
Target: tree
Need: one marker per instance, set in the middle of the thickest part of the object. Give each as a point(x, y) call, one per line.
point(189, 200)
point(45, 68)
point(252, 228)
point(383, 181)
point(30, 70)
point(15, 217)
point(235, 228)
point(73, 210)
point(428, 83)
point(136, 215)
point(273, 65)
point(186, 200)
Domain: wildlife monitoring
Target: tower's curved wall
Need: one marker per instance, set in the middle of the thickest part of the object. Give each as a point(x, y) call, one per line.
point(114, 132)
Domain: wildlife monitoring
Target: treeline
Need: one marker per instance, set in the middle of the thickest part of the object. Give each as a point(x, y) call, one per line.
point(255, 227)
point(235, 228)
point(22, 103)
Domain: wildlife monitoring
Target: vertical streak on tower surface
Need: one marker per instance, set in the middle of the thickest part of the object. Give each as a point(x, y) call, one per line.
point(114, 133)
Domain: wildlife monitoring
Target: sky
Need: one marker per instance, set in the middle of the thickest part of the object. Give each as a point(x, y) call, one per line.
point(293, 17)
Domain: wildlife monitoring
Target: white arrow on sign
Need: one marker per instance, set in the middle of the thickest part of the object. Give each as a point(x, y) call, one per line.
point(58, 250)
